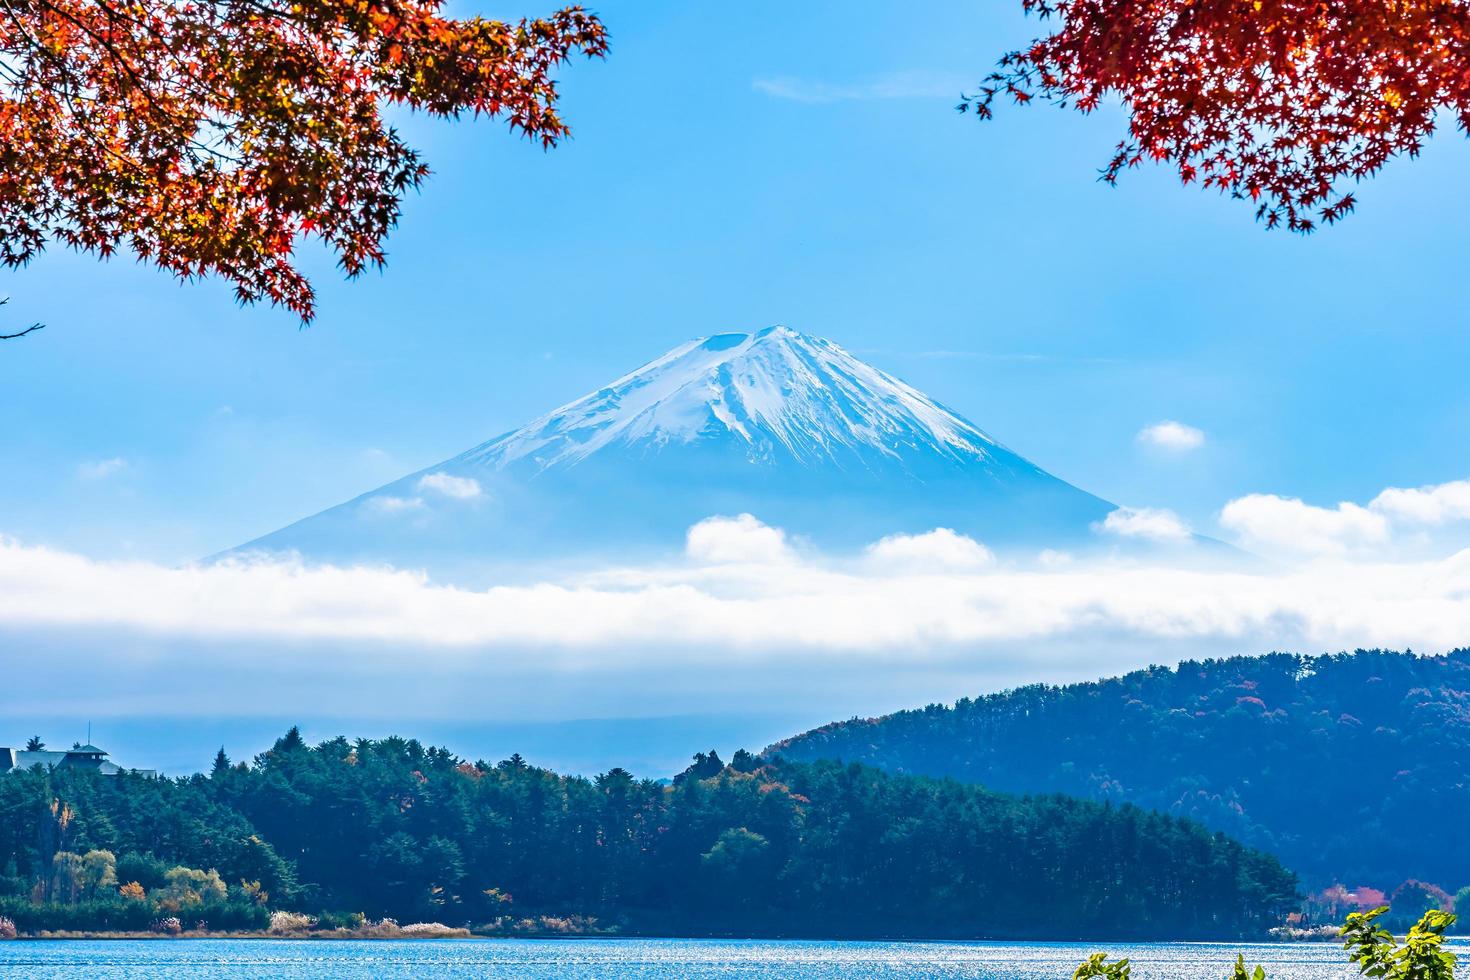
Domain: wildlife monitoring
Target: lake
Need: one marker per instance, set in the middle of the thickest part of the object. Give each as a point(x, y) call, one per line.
point(646, 959)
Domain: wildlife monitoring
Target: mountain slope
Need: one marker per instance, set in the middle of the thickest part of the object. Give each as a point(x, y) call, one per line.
point(790, 428)
point(1347, 767)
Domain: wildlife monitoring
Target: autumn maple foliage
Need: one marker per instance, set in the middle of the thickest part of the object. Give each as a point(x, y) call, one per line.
point(1282, 102)
point(211, 137)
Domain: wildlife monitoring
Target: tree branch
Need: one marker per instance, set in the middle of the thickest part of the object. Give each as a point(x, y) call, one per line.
point(31, 329)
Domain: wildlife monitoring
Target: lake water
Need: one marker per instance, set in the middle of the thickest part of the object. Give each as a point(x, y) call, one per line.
point(646, 959)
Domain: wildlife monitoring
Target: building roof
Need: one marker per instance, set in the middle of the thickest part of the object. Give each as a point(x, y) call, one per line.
point(84, 757)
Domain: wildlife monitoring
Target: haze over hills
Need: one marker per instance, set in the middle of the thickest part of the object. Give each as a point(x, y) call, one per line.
point(788, 427)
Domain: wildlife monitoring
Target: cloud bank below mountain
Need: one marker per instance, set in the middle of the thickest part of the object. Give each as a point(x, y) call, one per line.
point(749, 619)
point(743, 586)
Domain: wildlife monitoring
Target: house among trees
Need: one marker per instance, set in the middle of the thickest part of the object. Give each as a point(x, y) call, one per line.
point(78, 756)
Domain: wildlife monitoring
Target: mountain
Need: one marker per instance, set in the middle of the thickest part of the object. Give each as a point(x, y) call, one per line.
point(790, 428)
point(1347, 767)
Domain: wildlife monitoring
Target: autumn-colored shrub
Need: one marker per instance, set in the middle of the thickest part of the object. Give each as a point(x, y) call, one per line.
point(253, 892)
point(7, 928)
point(432, 930)
point(190, 887)
point(1413, 898)
point(290, 922)
point(568, 925)
point(168, 926)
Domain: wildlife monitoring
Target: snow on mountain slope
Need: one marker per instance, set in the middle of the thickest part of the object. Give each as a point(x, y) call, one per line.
point(790, 428)
point(777, 393)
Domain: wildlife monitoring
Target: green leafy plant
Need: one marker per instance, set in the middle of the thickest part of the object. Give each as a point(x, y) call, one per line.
point(1239, 973)
point(1372, 947)
point(1379, 955)
point(1097, 965)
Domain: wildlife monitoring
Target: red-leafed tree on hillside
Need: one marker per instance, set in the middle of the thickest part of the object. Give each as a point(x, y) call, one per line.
point(210, 136)
point(1282, 102)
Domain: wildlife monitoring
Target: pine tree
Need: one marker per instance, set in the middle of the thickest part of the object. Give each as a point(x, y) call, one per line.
point(291, 741)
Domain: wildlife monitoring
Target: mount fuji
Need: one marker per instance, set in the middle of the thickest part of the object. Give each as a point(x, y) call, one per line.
point(787, 427)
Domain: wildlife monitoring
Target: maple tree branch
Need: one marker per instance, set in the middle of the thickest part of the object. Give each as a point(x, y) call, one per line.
point(210, 135)
point(116, 14)
point(168, 117)
point(139, 83)
point(31, 329)
point(270, 11)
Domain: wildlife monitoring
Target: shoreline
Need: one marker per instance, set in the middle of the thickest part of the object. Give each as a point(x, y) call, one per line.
point(462, 934)
point(130, 936)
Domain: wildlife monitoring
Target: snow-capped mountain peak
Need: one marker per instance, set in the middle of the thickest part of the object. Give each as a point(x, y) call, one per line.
point(773, 393)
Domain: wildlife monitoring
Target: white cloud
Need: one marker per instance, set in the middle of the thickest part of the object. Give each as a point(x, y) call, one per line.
point(699, 613)
point(101, 469)
point(938, 550)
point(1147, 523)
point(890, 85)
point(1286, 526)
point(1172, 436)
point(833, 634)
point(457, 487)
point(394, 505)
point(1393, 521)
point(736, 539)
point(1425, 505)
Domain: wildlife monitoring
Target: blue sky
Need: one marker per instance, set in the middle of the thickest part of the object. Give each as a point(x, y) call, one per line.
point(735, 168)
point(982, 263)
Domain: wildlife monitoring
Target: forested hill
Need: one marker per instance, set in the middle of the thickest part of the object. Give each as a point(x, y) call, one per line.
point(393, 828)
point(1350, 767)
